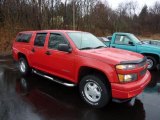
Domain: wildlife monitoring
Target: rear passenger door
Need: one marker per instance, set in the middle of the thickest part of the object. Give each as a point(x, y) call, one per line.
point(38, 51)
point(59, 63)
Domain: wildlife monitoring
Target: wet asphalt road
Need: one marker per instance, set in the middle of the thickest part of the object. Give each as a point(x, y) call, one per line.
point(36, 98)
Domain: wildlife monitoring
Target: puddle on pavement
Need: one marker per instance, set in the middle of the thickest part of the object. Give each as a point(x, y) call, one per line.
point(36, 98)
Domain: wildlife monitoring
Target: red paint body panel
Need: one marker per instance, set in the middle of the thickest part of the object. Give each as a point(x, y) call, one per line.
point(68, 65)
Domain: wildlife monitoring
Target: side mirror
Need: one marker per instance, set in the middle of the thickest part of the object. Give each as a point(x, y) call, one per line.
point(64, 47)
point(131, 43)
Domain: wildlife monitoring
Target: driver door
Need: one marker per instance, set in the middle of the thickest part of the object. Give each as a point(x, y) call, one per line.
point(124, 42)
point(59, 63)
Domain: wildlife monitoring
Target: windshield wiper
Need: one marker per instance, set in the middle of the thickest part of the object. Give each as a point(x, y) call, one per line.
point(86, 48)
point(100, 47)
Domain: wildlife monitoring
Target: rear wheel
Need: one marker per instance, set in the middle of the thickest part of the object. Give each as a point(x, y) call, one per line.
point(151, 61)
point(95, 91)
point(23, 66)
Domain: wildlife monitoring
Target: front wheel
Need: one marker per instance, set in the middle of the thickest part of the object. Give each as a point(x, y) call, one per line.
point(95, 91)
point(151, 61)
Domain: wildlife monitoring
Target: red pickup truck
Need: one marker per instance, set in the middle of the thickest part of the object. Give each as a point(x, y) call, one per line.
point(78, 58)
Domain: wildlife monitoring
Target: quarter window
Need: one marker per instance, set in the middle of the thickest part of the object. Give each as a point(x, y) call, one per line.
point(23, 37)
point(40, 39)
point(55, 40)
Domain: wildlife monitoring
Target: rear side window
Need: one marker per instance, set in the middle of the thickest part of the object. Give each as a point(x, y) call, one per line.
point(24, 37)
point(40, 39)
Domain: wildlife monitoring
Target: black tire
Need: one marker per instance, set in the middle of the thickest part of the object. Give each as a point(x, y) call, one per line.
point(152, 62)
point(26, 67)
point(102, 88)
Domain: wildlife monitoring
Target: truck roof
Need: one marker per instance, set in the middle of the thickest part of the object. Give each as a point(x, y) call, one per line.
point(50, 31)
point(124, 33)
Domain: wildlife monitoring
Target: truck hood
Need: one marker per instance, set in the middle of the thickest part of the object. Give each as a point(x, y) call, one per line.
point(111, 55)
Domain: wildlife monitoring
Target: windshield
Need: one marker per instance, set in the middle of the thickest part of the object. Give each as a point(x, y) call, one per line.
point(84, 40)
point(136, 40)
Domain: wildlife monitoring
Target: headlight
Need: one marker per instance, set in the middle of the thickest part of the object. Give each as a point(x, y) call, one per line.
point(127, 78)
point(125, 67)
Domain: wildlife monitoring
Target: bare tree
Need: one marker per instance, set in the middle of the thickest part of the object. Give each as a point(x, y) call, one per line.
point(90, 15)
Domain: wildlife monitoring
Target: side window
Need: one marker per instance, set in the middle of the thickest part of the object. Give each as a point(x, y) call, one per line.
point(126, 40)
point(40, 39)
point(19, 38)
point(122, 40)
point(23, 37)
point(55, 40)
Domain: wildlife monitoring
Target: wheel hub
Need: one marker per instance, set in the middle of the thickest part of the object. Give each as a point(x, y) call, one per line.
point(92, 91)
point(22, 66)
point(150, 63)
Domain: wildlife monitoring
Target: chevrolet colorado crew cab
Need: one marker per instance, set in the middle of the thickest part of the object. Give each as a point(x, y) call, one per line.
point(128, 41)
point(76, 58)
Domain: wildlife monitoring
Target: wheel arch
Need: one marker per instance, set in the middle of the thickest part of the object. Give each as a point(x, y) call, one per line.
point(20, 54)
point(157, 57)
point(85, 70)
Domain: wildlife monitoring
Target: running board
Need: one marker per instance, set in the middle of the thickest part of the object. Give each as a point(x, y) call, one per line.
point(57, 81)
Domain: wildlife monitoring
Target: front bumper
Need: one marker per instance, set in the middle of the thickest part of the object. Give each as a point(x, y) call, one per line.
point(129, 90)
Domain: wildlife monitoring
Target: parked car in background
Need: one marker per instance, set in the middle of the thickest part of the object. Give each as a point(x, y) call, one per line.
point(75, 58)
point(109, 37)
point(128, 41)
point(105, 40)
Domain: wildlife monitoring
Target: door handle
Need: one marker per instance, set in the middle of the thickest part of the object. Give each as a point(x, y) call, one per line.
point(33, 50)
point(48, 53)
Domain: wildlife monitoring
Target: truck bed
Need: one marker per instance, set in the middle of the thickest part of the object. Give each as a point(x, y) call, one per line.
point(152, 42)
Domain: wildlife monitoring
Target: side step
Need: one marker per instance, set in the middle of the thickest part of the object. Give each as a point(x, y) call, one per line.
point(51, 78)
